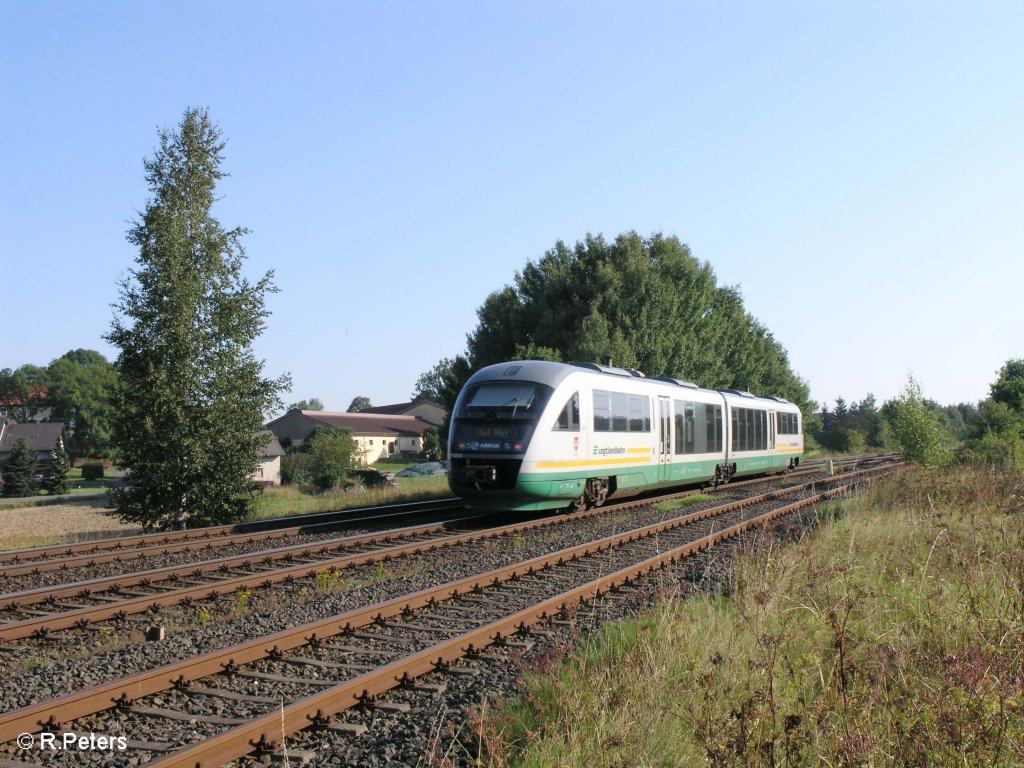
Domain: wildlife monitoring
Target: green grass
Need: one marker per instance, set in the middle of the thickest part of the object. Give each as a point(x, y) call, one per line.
point(685, 501)
point(893, 636)
point(287, 500)
point(77, 485)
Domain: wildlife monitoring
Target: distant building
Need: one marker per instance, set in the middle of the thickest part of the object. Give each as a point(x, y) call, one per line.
point(378, 435)
point(269, 472)
point(42, 438)
point(425, 410)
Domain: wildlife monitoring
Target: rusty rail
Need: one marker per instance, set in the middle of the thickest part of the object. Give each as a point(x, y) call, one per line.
point(50, 714)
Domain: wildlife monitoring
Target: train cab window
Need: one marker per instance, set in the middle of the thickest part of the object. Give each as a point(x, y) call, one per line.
point(569, 416)
point(505, 400)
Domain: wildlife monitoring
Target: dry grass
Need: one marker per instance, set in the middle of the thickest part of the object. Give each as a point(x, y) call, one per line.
point(894, 636)
point(59, 524)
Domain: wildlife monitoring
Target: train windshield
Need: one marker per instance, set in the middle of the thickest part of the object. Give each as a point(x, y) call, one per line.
point(505, 400)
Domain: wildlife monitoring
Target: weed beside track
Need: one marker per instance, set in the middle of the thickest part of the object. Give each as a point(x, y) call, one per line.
point(892, 636)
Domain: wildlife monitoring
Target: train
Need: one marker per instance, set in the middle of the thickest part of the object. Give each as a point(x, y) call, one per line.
point(536, 435)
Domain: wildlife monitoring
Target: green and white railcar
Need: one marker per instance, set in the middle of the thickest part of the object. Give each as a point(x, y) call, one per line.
point(534, 435)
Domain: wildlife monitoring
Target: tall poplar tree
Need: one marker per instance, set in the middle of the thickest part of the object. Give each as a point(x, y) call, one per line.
point(193, 395)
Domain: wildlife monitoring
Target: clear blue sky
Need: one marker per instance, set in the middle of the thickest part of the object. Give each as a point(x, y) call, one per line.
point(856, 168)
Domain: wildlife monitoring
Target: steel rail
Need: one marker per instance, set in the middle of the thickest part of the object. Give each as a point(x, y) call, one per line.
point(80, 617)
point(298, 523)
point(105, 696)
point(262, 733)
point(114, 554)
point(84, 587)
point(201, 567)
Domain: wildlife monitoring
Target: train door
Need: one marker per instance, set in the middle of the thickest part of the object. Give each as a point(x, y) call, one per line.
point(664, 439)
point(771, 432)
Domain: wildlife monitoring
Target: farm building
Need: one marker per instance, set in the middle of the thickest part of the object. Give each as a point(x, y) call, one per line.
point(378, 435)
point(424, 410)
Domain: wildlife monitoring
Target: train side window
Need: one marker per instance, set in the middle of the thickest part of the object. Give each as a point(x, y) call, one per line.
point(636, 413)
point(680, 425)
point(602, 411)
point(690, 428)
point(700, 428)
point(569, 417)
point(715, 430)
point(620, 419)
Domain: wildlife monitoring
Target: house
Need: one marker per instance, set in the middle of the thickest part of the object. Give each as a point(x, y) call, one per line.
point(43, 438)
point(269, 472)
point(29, 407)
point(378, 435)
point(425, 410)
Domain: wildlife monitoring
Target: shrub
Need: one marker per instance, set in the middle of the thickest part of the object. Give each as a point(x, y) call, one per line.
point(331, 456)
point(919, 430)
point(296, 469)
point(92, 471)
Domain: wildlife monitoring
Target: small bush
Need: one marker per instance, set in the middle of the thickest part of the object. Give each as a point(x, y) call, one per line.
point(92, 471)
point(296, 469)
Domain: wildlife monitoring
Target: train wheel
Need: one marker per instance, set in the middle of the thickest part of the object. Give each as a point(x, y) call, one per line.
point(577, 505)
point(597, 491)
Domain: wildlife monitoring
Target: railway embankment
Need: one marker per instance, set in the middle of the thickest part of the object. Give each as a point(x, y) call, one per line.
point(893, 634)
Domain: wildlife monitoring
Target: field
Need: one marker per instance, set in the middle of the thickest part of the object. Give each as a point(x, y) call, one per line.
point(892, 636)
point(30, 525)
point(58, 523)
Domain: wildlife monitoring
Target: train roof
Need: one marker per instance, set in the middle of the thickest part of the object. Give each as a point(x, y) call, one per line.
point(552, 374)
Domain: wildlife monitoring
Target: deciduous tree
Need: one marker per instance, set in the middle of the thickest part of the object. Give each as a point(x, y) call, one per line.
point(83, 389)
point(359, 404)
point(193, 395)
point(1009, 387)
point(918, 428)
point(647, 303)
point(313, 404)
point(332, 454)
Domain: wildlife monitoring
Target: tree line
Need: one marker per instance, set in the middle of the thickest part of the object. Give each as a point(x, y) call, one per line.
point(991, 431)
point(77, 389)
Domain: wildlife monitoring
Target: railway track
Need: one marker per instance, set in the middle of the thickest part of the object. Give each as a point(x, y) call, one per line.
point(126, 550)
point(42, 611)
point(233, 698)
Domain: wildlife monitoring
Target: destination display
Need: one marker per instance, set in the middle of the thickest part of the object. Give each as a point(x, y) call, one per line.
point(489, 437)
point(488, 432)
